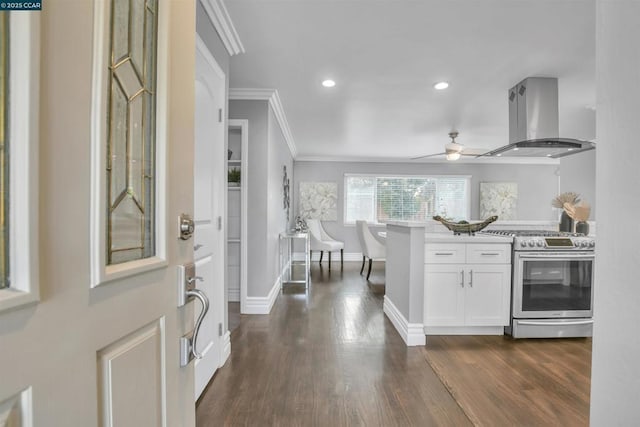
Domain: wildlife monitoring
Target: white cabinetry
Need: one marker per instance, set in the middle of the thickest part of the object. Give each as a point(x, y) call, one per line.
point(467, 288)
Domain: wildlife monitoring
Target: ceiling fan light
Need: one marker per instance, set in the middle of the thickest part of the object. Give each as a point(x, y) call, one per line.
point(453, 147)
point(453, 156)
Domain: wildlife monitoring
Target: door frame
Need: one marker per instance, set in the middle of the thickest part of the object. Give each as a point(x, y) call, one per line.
point(243, 126)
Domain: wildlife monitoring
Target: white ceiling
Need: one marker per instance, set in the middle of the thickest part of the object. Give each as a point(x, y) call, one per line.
point(385, 56)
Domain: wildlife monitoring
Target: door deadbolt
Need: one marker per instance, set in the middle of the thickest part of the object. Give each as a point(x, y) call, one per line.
point(185, 226)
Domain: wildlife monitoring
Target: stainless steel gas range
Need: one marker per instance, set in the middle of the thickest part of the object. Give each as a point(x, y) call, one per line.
point(552, 284)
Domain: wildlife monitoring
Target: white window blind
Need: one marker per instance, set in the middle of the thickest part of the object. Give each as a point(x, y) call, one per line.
point(412, 198)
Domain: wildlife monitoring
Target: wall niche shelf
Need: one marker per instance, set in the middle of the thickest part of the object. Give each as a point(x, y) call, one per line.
point(236, 286)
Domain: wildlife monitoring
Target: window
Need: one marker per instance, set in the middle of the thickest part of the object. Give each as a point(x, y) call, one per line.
point(412, 198)
point(19, 106)
point(4, 150)
point(129, 139)
point(131, 146)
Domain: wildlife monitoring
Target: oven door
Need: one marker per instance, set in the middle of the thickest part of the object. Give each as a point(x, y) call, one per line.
point(553, 284)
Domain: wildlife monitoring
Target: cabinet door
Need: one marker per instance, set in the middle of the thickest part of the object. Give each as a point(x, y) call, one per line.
point(487, 293)
point(443, 295)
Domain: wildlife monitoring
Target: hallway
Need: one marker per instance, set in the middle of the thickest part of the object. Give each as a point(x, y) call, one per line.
point(331, 358)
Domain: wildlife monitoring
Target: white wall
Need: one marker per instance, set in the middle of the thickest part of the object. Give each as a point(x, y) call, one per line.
point(537, 185)
point(278, 157)
point(615, 381)
point(268, 153)
point(256, 112)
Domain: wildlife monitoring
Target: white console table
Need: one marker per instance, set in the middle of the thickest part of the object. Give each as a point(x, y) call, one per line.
point(287, 263)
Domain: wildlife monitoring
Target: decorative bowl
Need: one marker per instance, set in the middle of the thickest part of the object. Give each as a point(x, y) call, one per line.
point(465, 227)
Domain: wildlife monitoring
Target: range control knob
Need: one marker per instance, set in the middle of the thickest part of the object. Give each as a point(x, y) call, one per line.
point(539, 243)
point(532, 243)
point(523, 244)
point(592, 244)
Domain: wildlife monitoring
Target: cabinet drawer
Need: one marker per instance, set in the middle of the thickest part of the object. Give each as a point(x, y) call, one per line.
point(445, 253)
point(479, 253)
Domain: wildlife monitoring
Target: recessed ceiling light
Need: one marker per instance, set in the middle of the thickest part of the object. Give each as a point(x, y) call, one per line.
point(569, 149)
point(548, 155)
point(328, 83)
point(499, 155)
point(441, 85)
point(516, 149)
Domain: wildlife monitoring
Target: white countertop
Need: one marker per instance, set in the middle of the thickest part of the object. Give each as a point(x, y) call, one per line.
point(464, 238)
point(410, 224)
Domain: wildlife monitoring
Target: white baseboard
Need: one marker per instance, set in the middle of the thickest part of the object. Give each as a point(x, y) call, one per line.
point(411, 333)
point(263, 305)
point(226, 347)
point(335, 256)
point(233, 295)
point(464, 330)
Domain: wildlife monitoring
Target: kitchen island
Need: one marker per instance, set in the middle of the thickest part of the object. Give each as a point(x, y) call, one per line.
point(440, 283)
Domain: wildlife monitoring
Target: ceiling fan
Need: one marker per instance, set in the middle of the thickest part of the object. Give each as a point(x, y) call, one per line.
point(454, 150)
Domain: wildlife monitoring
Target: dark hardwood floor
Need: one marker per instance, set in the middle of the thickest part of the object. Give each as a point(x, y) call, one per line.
point(233, 311)
point(329, 357)
point(499, 381)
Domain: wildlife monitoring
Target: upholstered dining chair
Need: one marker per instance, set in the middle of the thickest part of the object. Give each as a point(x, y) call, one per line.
point(371, 247)
point(321, 241)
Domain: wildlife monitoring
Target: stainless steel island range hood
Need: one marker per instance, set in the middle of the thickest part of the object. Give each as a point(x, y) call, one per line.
point(533, 123)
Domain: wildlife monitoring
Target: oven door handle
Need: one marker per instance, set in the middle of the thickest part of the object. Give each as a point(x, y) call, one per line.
point(558, 255)
point(575, 322)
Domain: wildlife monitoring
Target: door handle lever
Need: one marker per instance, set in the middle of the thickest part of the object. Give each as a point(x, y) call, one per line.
point(187, 292)
point(198, 294)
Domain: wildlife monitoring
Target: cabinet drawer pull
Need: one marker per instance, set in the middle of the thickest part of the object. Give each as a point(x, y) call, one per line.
point(490, 253)
point(444, 253)
point(462, 278)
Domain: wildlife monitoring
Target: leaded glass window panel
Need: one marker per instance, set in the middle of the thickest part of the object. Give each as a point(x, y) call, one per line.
point(131, 131)
point(4, 150)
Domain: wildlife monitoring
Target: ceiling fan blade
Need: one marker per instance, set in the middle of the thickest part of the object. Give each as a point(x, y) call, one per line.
point(428, 155)
point(474, 151)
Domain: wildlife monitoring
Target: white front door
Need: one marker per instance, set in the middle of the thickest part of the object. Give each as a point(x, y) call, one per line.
point(209, 190)
point(100, 343)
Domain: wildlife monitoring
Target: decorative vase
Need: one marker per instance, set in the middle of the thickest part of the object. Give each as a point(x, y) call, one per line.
point(566, 223)
point(582, 227)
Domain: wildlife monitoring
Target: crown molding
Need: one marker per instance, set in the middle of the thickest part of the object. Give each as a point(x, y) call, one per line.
point(219, 17)
point(486, 160)
point(271, 95)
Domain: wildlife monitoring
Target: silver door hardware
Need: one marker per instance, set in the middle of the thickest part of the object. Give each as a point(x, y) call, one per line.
point(462, 278)
point(185, 226)
point(196, 247)
point(186, 355)
point(219, 329)
point(220, 115)
point(187, 291)
point(219, 223)
point(471, 278)
point(189, 342)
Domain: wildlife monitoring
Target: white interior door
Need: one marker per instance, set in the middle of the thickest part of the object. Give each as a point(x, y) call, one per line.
point(98, 345)
point(209, 192)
